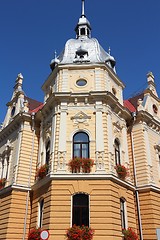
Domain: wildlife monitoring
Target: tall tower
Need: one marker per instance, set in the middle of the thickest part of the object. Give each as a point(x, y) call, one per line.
point(84, 156)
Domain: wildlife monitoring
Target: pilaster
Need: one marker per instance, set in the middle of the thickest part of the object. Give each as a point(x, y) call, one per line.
point(99, 138)
point(62, 138)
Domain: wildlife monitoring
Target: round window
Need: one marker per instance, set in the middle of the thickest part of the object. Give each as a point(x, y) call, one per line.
point(81, 82)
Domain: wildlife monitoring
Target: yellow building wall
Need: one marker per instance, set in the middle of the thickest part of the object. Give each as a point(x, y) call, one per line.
point(150, 209)
point(28, 156)
point(140, 155)
point(154, 139)
point(104, 207)
point(12, 215)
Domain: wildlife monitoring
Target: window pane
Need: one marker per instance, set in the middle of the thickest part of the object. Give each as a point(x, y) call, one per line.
point(85, 150)
point(76, 217)
point(77, 152)
point(80, 199)
point(85, 218)
point(80, 210)
point(81, 137)
point(123, 217)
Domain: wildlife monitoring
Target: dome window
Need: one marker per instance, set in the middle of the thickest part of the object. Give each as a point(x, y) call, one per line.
point(82, 31)
point(81, 82)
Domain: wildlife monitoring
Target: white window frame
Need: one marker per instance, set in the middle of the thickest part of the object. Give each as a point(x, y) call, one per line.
point(40, 212)
point(123, 215)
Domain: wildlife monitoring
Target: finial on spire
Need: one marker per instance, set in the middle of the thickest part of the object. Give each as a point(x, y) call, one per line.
point(55, 54)
point(109, 51)
point(83, 8)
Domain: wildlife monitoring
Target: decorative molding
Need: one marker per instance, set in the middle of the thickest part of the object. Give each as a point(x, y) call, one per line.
point(100, 161)
point(81, 117)
point(61, 161)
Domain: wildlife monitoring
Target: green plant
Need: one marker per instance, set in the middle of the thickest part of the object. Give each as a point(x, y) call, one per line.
point(79, 233)
point(42, 171)
point(121, 170)
point(129, 234)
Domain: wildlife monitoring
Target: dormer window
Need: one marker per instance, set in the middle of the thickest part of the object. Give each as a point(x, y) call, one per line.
point(155, 109)
point(114, 91)
point(13, 111)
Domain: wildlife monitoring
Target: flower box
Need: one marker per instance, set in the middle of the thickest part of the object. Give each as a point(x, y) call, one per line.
point(34, 234)
point(129, 234)
point(121, 170)
point(2, 182)
point(42, 171)
point(79, 233)
point(77, 165)
point(87, 163)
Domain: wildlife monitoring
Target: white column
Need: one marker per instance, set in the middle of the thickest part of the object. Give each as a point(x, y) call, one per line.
point(0, 167)
point(5, 167)
point(40, 152)
point(110, 141)
point(98, 86)
point(99, 138)
point(62, 138)
point(148, 154)
point(125, 145)
point(53, 135)
point(18, 147)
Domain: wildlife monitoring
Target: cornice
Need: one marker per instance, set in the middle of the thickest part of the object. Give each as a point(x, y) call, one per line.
point(105, 96)
point(14, 124)
point(94, 176)
point(148, 188)
point(9, 189)
point(144, 116)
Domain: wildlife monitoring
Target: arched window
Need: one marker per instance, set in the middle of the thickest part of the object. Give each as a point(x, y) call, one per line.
point(80, 213)
point(40, 213)
point(47, 152)
point(117, 152)
point(123, 213)
point(81, 145)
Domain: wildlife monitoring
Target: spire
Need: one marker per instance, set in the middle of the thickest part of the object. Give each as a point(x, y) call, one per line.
point(83, 15)
point(83, 28)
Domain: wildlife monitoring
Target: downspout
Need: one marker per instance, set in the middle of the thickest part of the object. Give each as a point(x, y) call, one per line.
point(30, 171)
point(135, 181)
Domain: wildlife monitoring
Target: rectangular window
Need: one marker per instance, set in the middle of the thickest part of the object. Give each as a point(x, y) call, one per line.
point(123, 213)
point(40, 213)
point(80, 210)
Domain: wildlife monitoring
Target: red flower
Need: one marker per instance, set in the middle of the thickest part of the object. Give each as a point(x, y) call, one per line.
point(2, 182)
point(79, 233)
point(34, 234)
point(42, 171)
point(76, 164)
point(121, 170)
point(129, 234)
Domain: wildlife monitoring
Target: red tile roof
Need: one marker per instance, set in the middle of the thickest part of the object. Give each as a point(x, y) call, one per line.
point(34, 105)
point(129, 105)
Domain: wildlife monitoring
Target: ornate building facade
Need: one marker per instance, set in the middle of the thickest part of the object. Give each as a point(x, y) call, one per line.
point(83, 117)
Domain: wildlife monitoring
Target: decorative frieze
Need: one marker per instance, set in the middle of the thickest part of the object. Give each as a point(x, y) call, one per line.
point(81, 117)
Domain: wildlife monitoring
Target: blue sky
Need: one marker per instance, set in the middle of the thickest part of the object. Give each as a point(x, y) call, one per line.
point(31, 30)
